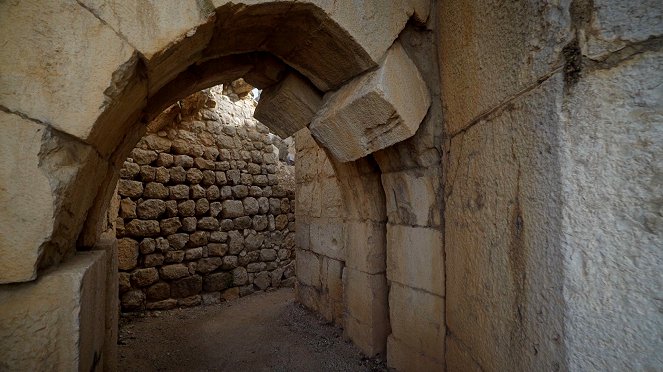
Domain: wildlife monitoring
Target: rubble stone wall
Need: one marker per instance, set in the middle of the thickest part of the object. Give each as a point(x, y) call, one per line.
point(206, 210)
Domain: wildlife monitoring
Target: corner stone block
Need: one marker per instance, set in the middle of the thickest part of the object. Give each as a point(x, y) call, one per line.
point(35, 162)
point(58, 321)
point(367, 318)
point(288, 106)
point(373, 111)
point(415, 257)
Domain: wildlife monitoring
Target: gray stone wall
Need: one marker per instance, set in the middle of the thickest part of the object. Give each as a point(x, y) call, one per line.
point(206, 210)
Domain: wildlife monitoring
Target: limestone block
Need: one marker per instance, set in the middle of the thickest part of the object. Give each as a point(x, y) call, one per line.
point(482, 67)
point(288, 106)
point(422, 330)
point(308, 268)
point(36, 222)
point(373, 111)
point(87, 89)
point(367, 318)
point(366, 246)
point(403, 358)
point(328, 237)
point(612, 188)
point(58, 321)
point(169, 34)
point(331, 278)
point(415, 257)
point(109, 353)
point(413, 197)
point(502, 234)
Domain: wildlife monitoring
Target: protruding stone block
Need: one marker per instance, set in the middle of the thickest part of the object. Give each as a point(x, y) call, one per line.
point(288, 106)
point(373, 111)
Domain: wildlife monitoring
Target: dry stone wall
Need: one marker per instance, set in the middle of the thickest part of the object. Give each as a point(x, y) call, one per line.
point(206, 211)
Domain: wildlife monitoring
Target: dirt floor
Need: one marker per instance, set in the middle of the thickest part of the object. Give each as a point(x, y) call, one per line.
point(261, 332)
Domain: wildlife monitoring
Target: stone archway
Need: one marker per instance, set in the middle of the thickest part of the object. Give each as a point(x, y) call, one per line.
point(72, 112)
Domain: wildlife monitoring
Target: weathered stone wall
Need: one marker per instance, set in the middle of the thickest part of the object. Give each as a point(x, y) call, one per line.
point(340, 242)
point(552, 188)
point(206, 210)
point(320, 235)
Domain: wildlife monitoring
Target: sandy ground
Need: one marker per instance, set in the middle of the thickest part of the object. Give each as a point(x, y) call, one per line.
point(261, 332)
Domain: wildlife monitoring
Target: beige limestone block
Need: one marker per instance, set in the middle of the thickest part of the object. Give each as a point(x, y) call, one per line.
point(108, 245)
point(289, 106)
point(366, 246)
point(489, 52)
point(367, 318)
point(169, 34)
point(76, 73)
point(413, 197)
point(612, 166)
point(46, 189)
point(328, 237)
point(331, 278)
point(415, 257)
point(403, 358)
point(373, 111)
point(417, 320)
point(57, 322)
point(504, 264)
point(308, 268)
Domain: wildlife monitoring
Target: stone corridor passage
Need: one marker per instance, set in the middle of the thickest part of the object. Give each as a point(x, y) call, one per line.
point(267, 331)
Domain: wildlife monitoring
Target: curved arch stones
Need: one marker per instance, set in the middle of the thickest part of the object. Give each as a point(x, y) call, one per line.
point(76, 103)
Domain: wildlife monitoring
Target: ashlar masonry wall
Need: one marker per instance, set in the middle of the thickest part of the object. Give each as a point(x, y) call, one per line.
point(206, 210)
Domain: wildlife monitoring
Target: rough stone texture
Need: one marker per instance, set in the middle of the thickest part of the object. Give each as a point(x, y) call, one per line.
point(546, 114)
point(619, 223)
point(67, 312)
point(503, 208)
point(417, 321)
point(289, 106)
point(415, 257)
point(46, 160)
point(204, 239)
point(482, 67)
point(371, 111)
point(80, 99)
